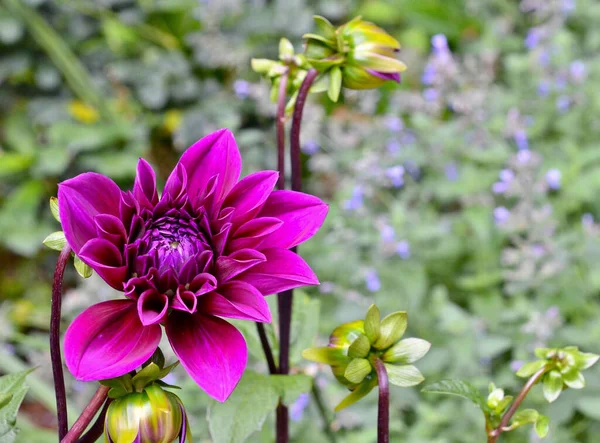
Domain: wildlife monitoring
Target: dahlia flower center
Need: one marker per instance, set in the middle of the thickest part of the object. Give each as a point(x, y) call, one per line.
point(173, 240)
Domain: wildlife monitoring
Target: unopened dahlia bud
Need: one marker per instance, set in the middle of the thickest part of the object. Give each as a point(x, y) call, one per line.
point(151, 416)
point(354, 347)
point(357, 55)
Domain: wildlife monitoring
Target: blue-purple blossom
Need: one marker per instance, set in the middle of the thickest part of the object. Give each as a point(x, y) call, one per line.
point(297, 409)
point(403, 249)
point(356, 200)
point(439, 42)
point(372, 281)
point(501, 215)
point(515, 365)
point(577, 70)
point(587, 219)
point(532, 39)
point(506, 175)
point(563, 103)
point(311, 147)
point(387, 233)
point(521, 140)
point(393, 146)
point(553, 177)
point(568, 6)
point(430, 94)
point(544, 88)
point(523, 156)
point(451, 171)
point(499, 187)
point(394, 123)
point(241, 88)
point(396, 175)
point(428, 76)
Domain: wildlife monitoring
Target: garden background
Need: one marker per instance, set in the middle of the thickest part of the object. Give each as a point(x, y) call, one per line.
point(467, 195)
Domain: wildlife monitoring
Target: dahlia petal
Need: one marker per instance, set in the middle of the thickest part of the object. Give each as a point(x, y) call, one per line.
point(211, 350)
point(104, 258)
point(203, 284)
point(238, 300)
point(219, 240)
point(80, 199)
point(176, 184)
point(283, 270)
point(108, 340)
point(302, 216)
point(111, 228)
point(215, 154)
point(152, 307)
point(252, 233)
point(185, 301)
point(144, 187)
point(249, 195)
point(238, 262)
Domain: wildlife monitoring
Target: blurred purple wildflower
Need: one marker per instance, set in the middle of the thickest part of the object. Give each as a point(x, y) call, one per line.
point(396, 175)
point(544, 88)
point(501, 215)
point(587, 219)
point(428, 76)
point(521, 140)
point(241, 88)
point(403, 249)
point(515, 365)
point(430, 94)
point(563, 103)
point(310, 147)
point(298, 407)
point(393, 146)
point(577, 71)
point(553, 177)
point(372, 281)
point(451, 171)
point(524, 156)
point(532, 39)
point(394, 123)
point(387, 234)
point(356, 200)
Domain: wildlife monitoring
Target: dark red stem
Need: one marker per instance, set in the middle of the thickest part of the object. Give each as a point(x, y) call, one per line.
point(97, 429)
point(284, 299)
point(264, 341)
point(55, 355)
point(87, 415)
point(383, 411)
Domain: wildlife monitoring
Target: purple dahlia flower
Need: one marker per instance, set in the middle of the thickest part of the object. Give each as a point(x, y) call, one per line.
point(210, 247)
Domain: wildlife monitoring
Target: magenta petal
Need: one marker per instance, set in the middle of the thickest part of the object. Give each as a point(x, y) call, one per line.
point(80, 199)
point(111, 228)
point(104, 258)
point(176, 185)
point(108, 340)
point(238, 262)
point(185, 301)
point(152, 307)
point(283, 270)
point(211, 350)
point(302, 216)
point(252, 233)
point(249, 195)
point(144, 188)
point(215, 154)
point(239, 300)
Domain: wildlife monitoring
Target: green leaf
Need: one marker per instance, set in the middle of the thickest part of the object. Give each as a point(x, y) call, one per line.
point(373, 323)
point(361, 391)
point(290, 387)
point(528, 369)
point(54, 208)
point(574, 379)
point(460, 388)
point(553, 385)
point(525, 417)
point(392, 329)
point(328, 355)
point(406, 351)
point(359, 347)
point(357, 370)
point(82, 269)
point(305, 323)
point(404, 376)
point(12, 393)
point(286, 49)
point(335, 83)
point(542, 426)
point(584, 360)
point(325, 27)
point(55, 241)
point(145, 376)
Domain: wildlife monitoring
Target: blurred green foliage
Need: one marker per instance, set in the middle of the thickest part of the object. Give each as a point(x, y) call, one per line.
point(444, 191)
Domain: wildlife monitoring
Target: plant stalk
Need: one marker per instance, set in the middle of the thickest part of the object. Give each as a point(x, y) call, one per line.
point(383, 410)
point(55, 355)
point(87, 415)
point(284, 299)
point(264, 341)
point(96, 430)
point(495, 433)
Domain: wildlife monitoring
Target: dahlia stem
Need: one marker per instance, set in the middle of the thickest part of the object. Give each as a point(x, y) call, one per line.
point(97, 429)
point(55, 355)
point(87, 415)
point(284, 300)
point(264, 341)
point(494, 434)
point(383, 410)
point(280, 129)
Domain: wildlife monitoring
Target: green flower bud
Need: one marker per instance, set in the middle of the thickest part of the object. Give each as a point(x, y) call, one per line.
point(151, 416)
point(354, 346)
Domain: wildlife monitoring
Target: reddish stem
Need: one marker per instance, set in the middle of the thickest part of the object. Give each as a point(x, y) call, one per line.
point(97, 429)
point(383, 410)
point(87, 415)
point(280, 129)
point(55, 355)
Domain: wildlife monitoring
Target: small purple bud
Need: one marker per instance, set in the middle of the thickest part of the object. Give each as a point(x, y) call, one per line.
point(428, 76)
point(451, 171)
point(372, 281)
point(310, 147)
point(409, 137)
point(439, 42)
point(544, 58)
point(326, 287)
point(532, 39)
point(543, 88)
point(553, 312)
point(524, 156)
point(587, 219)
point(430, 94)
point(499, 187)
point(396, 175)
point(297, 409)
point(506, 175)
point(393, 123)
point(387, 233)
point(521, 140)
point(577, 70)
point(403, 249)
point(241, 88)
point(563, 103)
point(560, 82)
point(356, 200)
point(393, 146)
point(553, 177)
point(568, 6)
point(515, 365)
point(501, 215)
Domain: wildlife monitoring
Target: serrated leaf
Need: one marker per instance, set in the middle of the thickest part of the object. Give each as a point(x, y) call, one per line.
point(55, 241)
point(460, 388)
point(392, 329)
point(404, 376)
point(82, 269)
point(54, 208)
point(552, 385)
point(357, 370)
point(528, 369)
point(406, 351)
point(359, 347)
point(373, 323)
point(542, 426)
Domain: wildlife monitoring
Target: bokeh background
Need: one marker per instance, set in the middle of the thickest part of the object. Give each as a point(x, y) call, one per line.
point(468, 195)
